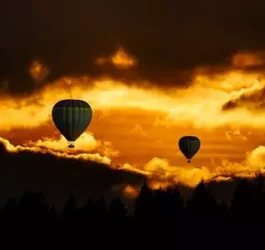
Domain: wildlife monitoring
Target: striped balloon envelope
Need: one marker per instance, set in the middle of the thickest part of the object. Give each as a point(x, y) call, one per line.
point(71, 117)
point(189, 146)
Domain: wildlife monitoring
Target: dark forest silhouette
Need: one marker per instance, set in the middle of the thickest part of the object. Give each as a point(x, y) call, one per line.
point(160, 217)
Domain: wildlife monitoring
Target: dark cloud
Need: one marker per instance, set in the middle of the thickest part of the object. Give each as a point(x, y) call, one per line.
point(252, 101)
point(58, 178)
point(166, 37)
point(230, 105)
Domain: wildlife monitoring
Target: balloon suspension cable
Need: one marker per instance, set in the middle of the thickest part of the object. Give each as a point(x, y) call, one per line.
point(71, 144)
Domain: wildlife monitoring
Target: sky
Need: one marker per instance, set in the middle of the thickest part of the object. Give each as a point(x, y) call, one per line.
point(151, 73)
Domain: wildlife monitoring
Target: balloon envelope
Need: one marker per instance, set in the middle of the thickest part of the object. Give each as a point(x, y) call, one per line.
point(189, 146)
point(71, 117)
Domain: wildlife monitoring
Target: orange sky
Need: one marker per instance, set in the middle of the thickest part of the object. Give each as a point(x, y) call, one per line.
point(138, 128)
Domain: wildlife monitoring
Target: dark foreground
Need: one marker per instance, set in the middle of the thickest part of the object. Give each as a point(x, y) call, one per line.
point(161, 219)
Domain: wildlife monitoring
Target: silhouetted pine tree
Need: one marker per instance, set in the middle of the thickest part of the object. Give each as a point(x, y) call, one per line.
point(144, 203)
point(160, 219)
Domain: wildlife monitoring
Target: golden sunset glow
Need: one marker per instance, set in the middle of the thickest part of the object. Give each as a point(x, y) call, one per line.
point(130, 191)
point(137, 129)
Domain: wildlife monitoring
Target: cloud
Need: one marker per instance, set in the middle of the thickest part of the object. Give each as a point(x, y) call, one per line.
point(39, 148)
point(58, 175)
point(38, 71)
point(120, 59)
point(235, 135)
point(167, 44)
point(161, 173)
point(163, 114)
point(139, 131)
point(164, 74)
point(86, 143)
point(206, 93)
point(252, 99)
point(248, 59)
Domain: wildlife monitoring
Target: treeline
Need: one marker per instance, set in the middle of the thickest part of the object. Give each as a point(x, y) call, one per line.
point(160, 218)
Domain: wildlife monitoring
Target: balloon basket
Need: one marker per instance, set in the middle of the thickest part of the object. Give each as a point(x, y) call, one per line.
point(71, 144)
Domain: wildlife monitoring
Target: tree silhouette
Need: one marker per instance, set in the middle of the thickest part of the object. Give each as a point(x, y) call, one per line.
point(69, 210)
point(160, 217)
point(143, 203)
point(201, 213)
point(9, 216)
point(202, 202)
point(33, 210)
point(86, 214)
point(118, 211)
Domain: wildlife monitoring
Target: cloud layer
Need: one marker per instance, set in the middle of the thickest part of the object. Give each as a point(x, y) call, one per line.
point(137, 128)
point(166, 38)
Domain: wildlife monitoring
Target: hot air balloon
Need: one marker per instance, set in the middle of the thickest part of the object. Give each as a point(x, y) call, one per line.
point(71, 117)
point(189, 146)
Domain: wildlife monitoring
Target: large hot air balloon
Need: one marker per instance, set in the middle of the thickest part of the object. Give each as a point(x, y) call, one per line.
point(189, 146)
point(71, 117)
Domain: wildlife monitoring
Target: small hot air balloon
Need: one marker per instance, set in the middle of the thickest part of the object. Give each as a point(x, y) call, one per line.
point(71, 117)
point(189, 146)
